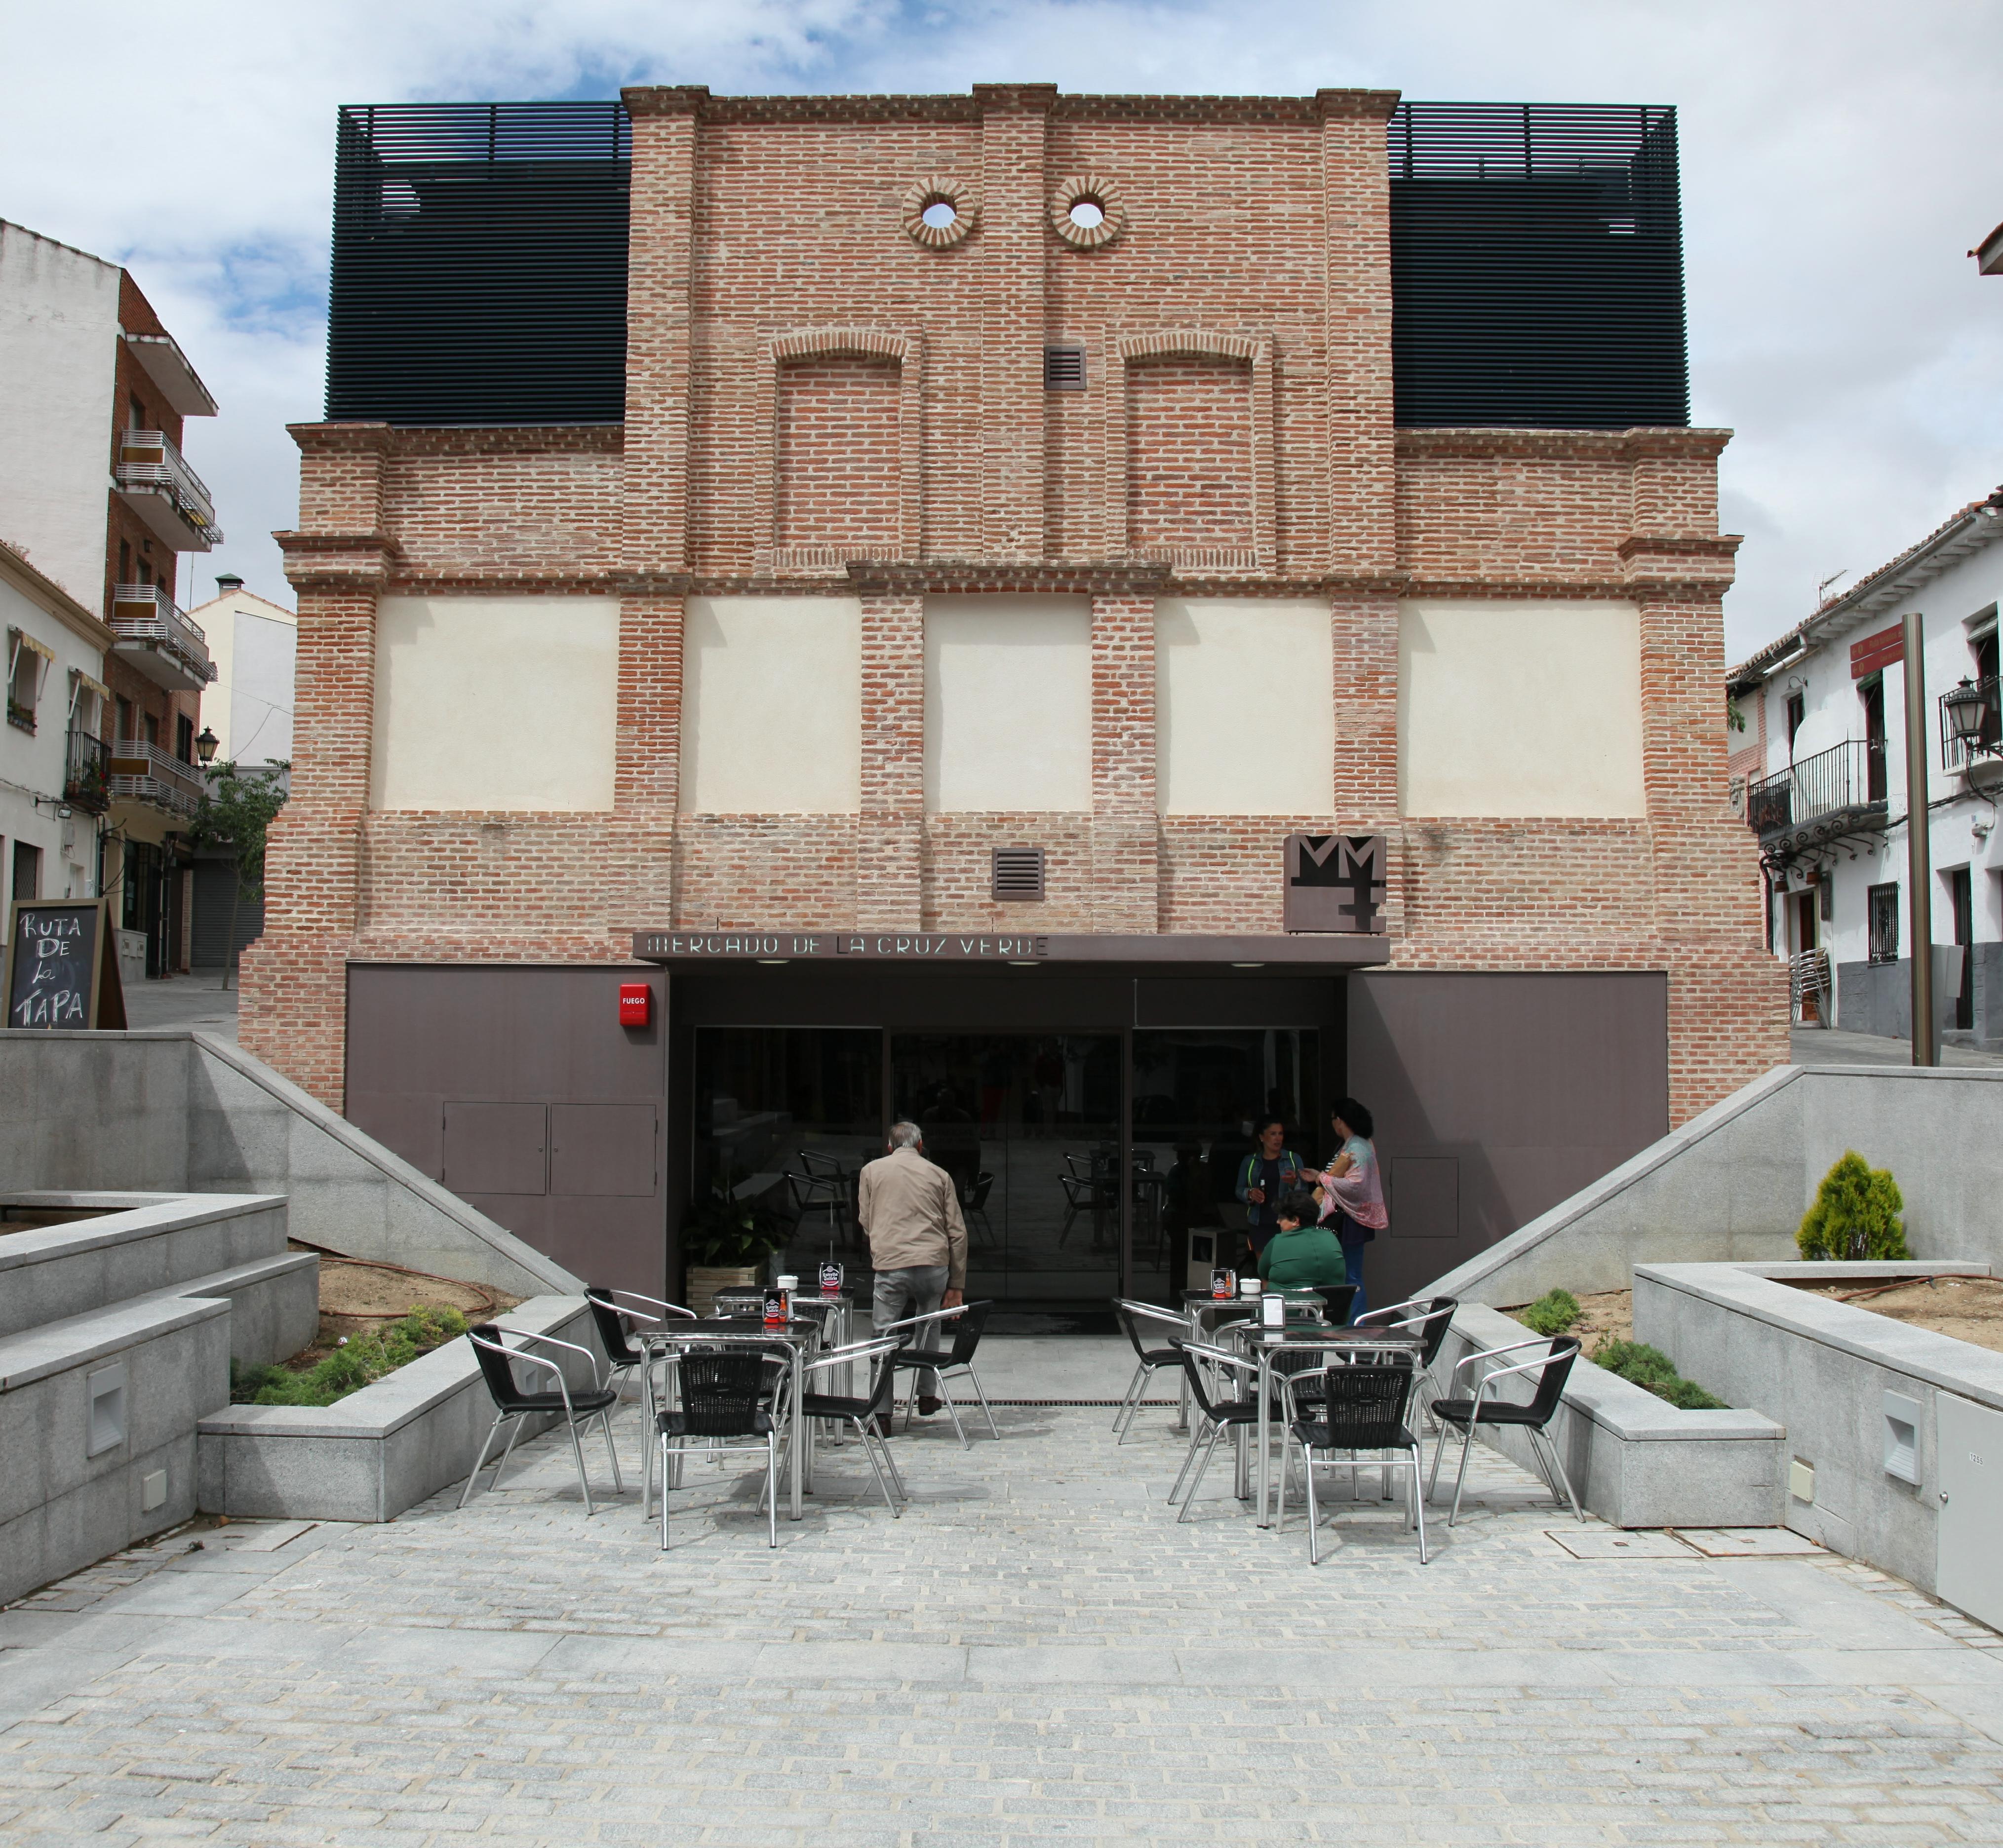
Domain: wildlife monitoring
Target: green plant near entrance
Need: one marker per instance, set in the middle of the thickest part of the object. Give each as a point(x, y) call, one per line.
point(237, 811)
point(1551, 1314)
point(1855, 1215)
point(365, 1359)
point(724, 1233)
point(1649, 1367)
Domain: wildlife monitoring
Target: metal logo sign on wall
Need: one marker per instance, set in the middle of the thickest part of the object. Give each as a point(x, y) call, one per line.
point(1335, 883)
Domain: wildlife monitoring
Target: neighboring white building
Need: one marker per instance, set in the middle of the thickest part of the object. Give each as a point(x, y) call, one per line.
point(253, 644)
point(1821, 770)
point(52, 755)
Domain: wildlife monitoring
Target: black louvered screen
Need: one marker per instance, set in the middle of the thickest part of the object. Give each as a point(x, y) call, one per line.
point(479, 263)
point(1018, 873)
point(1536, 266)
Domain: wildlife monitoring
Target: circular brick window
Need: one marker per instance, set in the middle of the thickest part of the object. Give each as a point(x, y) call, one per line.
point(1087, 211)
point(938, 212)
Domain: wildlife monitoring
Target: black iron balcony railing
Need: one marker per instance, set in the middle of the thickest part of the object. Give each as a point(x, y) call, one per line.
point(86, 775)
point(1958, 752)
point(1840, 790)
point(21, 716)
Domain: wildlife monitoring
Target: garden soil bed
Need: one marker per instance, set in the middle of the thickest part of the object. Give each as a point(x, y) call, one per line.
point(1606, 1315)
point(1969, 1308)
point(357, 1297)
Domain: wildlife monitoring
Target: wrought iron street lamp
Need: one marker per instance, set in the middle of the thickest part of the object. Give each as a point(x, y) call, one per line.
point(1966, 706)
point(206, 745)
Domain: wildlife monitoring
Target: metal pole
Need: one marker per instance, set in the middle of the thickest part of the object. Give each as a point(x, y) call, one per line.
point(1919, 856)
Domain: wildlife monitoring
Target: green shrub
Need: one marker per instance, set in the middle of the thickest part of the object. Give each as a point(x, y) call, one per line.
point(1855, 1214)
point(365, 1359)
point(1552, 1313)
point(1649, 1367)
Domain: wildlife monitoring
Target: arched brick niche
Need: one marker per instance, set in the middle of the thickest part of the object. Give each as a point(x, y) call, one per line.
point(1189, 450)
point(838, 467)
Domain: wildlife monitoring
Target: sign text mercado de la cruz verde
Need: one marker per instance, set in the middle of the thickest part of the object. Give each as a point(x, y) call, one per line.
point(889, 945)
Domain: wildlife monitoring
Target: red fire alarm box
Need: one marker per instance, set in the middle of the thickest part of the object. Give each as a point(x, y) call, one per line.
point(636, 1004)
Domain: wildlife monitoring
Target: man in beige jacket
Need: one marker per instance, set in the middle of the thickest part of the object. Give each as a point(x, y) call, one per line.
point(917, 1242)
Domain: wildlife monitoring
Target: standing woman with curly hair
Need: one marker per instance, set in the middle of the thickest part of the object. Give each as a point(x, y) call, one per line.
point(1354, 1192)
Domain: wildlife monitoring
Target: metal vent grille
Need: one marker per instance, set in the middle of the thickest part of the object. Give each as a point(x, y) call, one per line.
point(1536, 266)
point(480, 264)
point(1019, 872)
point(1064, 368)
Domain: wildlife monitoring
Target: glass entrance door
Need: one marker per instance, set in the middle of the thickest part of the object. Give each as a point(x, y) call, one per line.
point(1028, 1125)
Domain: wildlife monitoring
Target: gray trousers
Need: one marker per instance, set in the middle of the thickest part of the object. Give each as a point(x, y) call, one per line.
point(913, 1292)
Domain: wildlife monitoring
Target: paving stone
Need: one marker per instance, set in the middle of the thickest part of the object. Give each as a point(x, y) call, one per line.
point(1036, 1652)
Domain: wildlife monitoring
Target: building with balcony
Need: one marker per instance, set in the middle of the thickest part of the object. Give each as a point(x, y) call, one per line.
point(52, 762)
point(96, 492)
point(1083, 619)
point(1819, 772)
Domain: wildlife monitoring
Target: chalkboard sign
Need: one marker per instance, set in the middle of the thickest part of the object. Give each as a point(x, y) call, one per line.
point(62, 965)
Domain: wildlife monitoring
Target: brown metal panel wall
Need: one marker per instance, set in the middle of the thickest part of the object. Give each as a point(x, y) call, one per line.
point(1496, 1097)
point(517, 1088)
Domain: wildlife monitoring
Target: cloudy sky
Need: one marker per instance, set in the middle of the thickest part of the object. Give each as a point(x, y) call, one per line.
point(1839, 160)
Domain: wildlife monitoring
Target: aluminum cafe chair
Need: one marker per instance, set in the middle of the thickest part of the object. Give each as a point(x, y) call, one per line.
point(969, 1320)
point(724, 1395)
point(1172, 1331)
point(616, 1320)
point(869, 1415)
point(1219, 1414)
point(515, 1407)
point(1552, 1368)
point(1356, 1408)
point(1431, 1316)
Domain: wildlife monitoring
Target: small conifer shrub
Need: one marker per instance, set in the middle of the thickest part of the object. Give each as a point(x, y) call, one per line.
point(1551, 1314)
point(1855, 1215)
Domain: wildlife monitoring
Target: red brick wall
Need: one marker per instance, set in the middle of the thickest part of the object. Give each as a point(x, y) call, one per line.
point(1189, 455)
point(838, 475)
point(766, 228)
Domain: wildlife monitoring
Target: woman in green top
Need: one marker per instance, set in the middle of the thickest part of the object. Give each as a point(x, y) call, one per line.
point(1302, 1251)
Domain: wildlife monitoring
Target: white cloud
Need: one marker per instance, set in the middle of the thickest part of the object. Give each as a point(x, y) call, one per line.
point(1838, 159)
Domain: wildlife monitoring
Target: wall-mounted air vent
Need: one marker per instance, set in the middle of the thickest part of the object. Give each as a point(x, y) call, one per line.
point(1019, 872)
point(1064, 368)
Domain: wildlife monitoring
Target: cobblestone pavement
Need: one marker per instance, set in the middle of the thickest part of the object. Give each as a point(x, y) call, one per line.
point(1035, 1653)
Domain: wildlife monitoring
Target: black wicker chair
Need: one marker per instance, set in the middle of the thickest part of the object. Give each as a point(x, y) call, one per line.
point(1219, 1415)
point(869, 1416)
point(1553, 1368)
point(514, 1406)
point(1355, 1409)
point(1162, 1325)
point(968, 1323)
point(724, 1395)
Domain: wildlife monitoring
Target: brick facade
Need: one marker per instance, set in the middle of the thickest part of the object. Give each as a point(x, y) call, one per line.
point(818, 401)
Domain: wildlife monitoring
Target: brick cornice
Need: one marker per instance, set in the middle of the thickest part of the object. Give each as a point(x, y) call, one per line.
point(1368, 106)
point(342, 439)
point(1035, 99)
point(665, 98)
point(937, 577)
point(337, 561)
point(1563, 445)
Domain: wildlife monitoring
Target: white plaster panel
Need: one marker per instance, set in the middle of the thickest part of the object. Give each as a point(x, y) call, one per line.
point(772, 706)
point(58, 353)
point(1008, 704)
point(1519, 708)
point(1244, 706)
point(505, 703)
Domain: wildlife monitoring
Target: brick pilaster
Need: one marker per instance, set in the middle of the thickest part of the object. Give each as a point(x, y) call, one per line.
point(1365, 631)
point(1356, 206)
point(659, 319)
point(1728, 998)
point(293, 1007)
point(1126, 857)
point(1014, 120)
point(890, 833)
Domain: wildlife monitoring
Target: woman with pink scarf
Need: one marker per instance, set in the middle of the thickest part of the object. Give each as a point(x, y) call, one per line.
point(1352, 1192)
